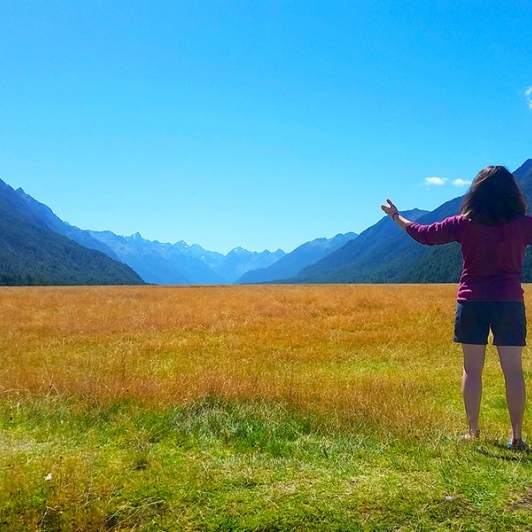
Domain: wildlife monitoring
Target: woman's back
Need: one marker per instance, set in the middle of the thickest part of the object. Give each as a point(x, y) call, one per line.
point(493, 259)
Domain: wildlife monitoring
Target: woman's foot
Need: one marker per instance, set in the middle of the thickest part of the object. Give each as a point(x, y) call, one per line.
point(473, 434)
point(517, 444)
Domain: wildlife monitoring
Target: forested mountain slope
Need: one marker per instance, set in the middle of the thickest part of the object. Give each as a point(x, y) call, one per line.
point(31, 253)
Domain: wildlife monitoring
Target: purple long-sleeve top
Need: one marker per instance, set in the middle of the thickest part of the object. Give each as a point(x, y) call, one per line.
point(492, 255)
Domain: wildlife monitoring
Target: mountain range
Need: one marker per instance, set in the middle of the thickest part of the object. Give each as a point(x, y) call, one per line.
point(181, 264)
point(29, 229)
point(37, 247)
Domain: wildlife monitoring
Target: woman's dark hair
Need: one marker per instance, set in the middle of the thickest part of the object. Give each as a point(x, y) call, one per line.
point(494, 198)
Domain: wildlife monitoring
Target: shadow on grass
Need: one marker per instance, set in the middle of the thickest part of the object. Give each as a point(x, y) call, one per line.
point(501, 452)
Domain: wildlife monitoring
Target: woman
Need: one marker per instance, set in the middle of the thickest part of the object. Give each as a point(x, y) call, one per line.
point(493, 231)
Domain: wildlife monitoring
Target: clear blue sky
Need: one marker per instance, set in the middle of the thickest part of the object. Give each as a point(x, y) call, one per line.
point(261, 124)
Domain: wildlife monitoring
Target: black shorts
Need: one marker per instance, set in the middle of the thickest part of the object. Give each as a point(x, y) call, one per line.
point(506, 320)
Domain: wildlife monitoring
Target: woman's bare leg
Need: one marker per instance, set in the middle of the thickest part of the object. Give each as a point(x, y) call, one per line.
point(512, 367)
point(474, 356)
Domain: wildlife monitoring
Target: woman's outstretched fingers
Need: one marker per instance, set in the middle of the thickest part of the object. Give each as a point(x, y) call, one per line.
point(389, 209)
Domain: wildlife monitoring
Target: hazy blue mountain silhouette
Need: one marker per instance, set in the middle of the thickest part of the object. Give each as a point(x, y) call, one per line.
point(292, 263)
point(181, 264)
point(239, 261)
point(157, 263)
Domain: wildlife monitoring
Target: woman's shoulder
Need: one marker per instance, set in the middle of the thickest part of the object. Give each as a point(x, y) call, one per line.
point(456, 220)
point(462, 220)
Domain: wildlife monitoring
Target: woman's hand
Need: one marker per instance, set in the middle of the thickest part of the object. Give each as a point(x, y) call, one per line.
point(395, 215)
point(389, 209)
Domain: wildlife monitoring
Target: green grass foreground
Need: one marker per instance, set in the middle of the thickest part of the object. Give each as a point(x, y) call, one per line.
point(263, 409)
point(228, 466)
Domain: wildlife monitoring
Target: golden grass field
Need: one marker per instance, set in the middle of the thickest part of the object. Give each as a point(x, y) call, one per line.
point(271, 408)
point(381, 353)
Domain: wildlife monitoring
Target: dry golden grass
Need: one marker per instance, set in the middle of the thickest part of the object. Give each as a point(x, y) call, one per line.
point(378, 353)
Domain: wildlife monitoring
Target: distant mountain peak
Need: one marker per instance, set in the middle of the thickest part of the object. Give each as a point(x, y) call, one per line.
point(524, 170)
